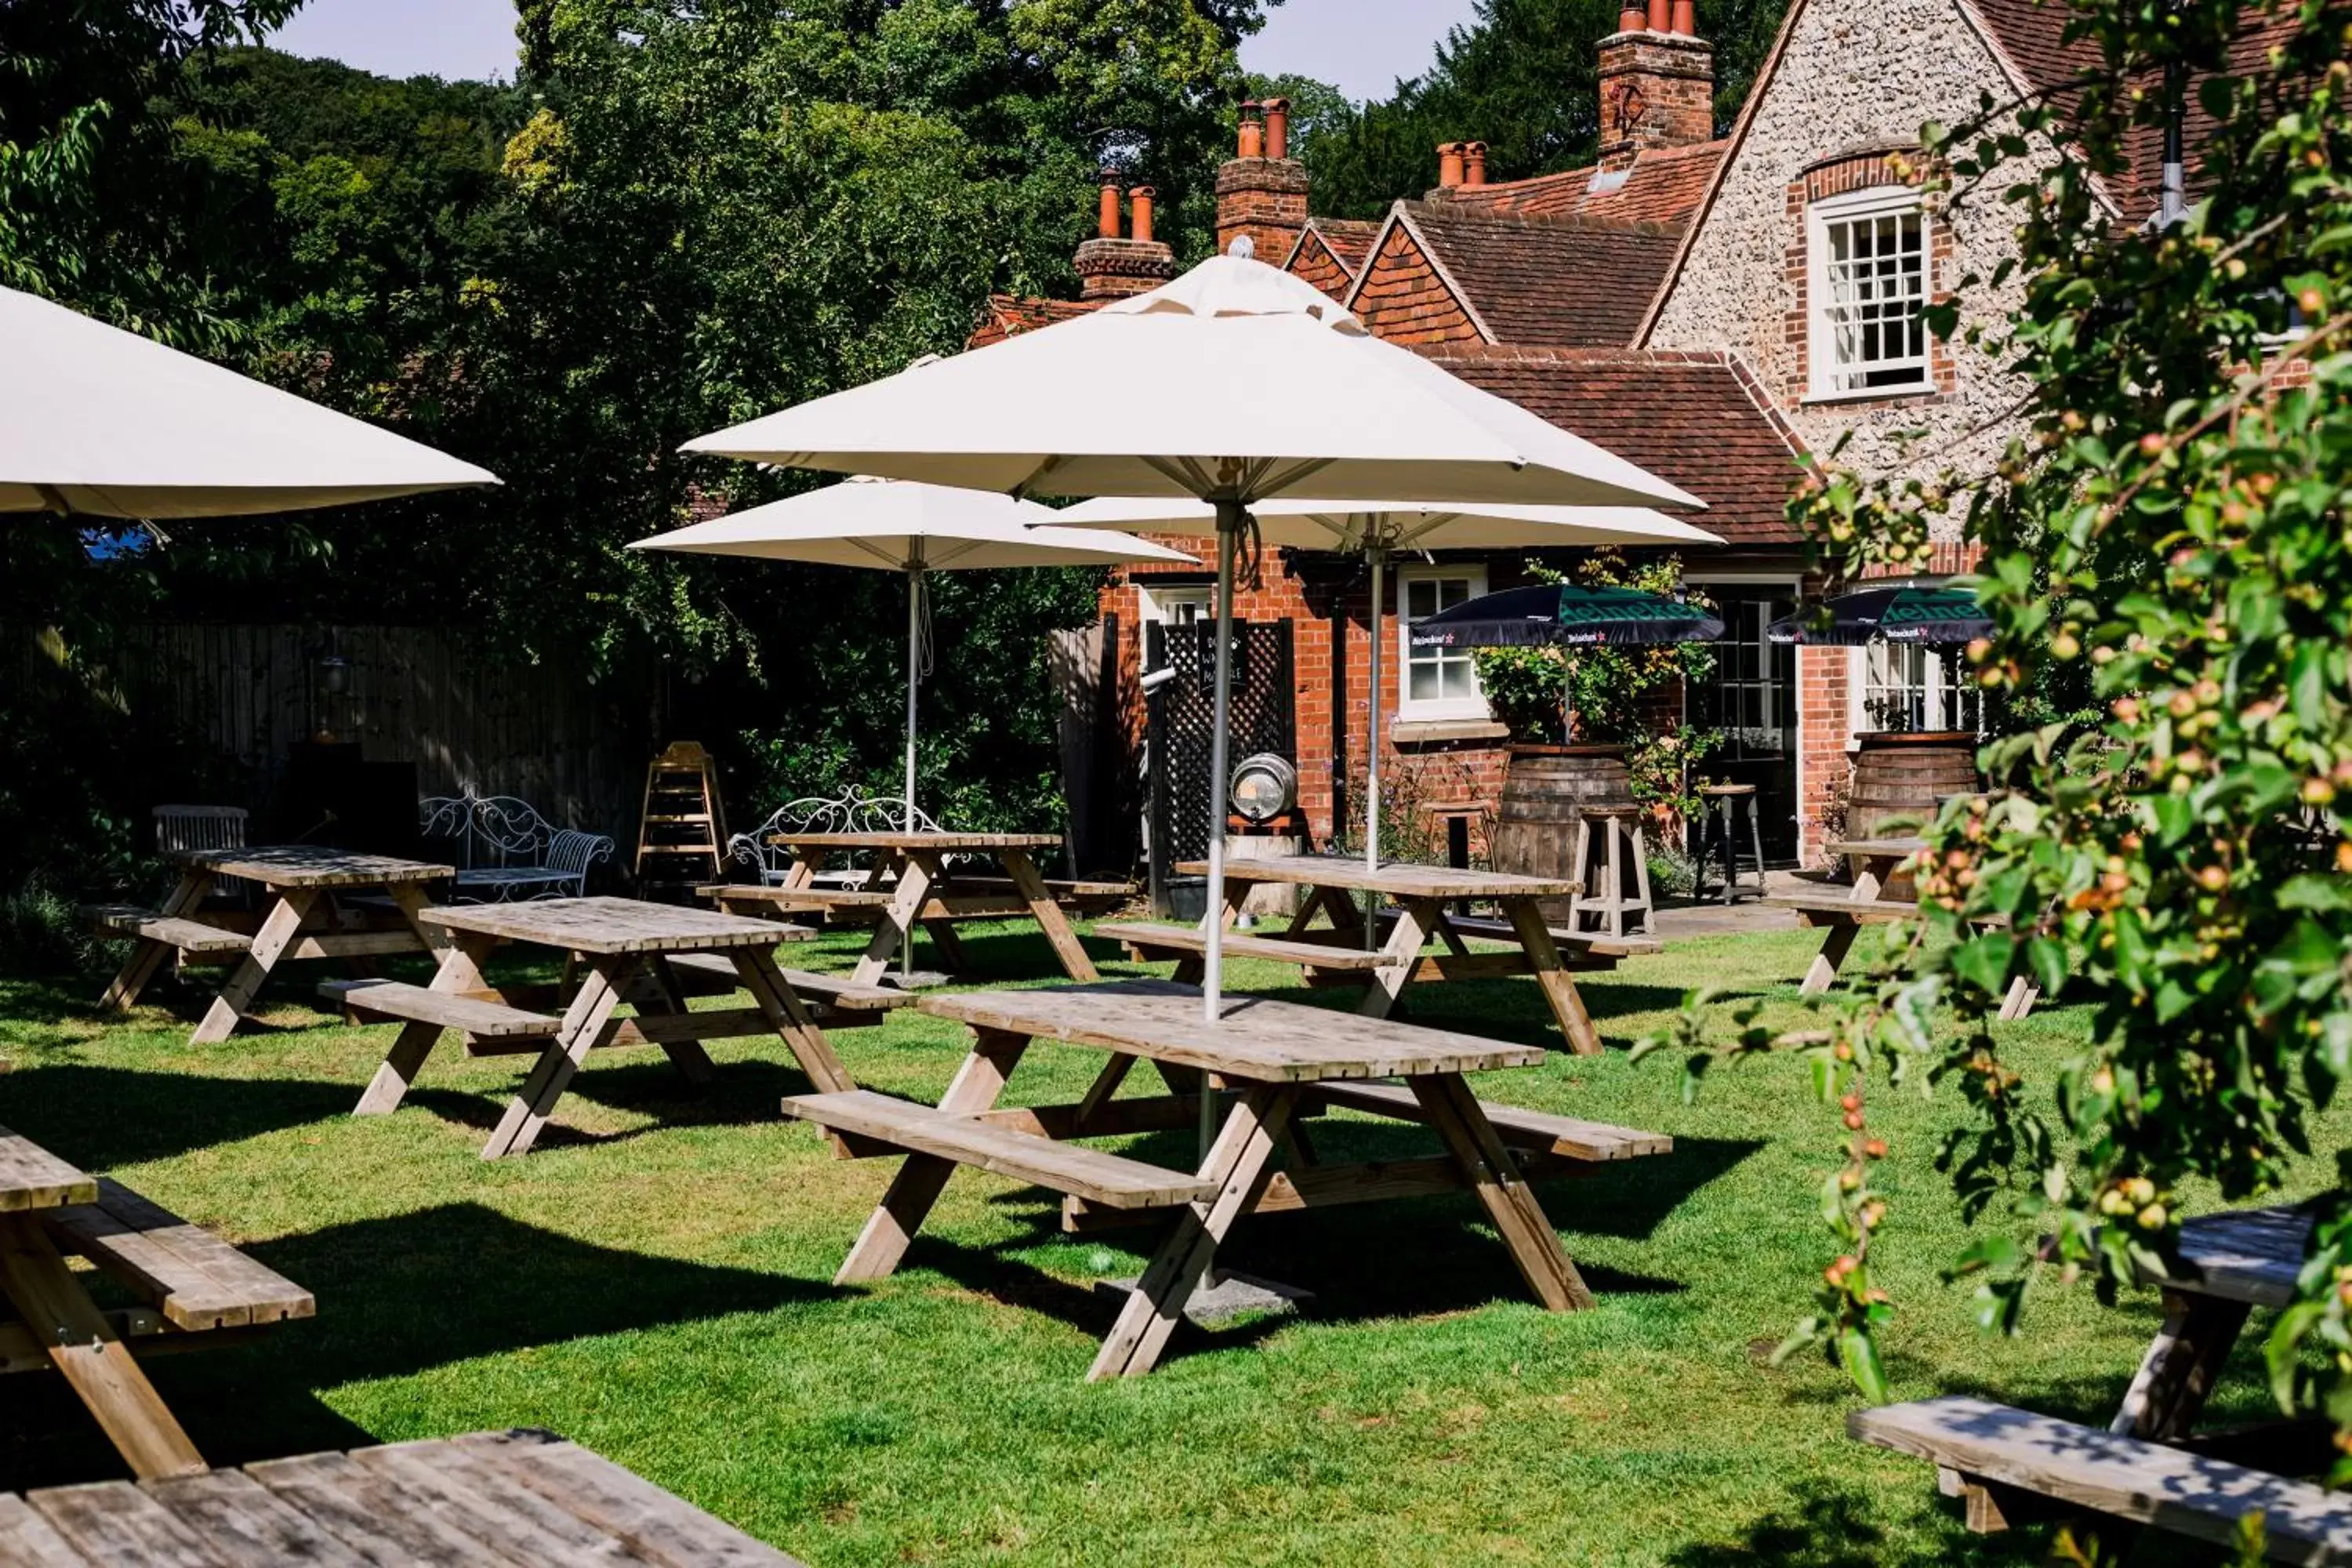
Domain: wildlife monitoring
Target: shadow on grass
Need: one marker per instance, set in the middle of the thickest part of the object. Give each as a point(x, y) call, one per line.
point(1821, 1525)
point(396, 1296)
point(100, 1118)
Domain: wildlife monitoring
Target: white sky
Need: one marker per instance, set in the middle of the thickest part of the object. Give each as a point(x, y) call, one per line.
point(1362, 46)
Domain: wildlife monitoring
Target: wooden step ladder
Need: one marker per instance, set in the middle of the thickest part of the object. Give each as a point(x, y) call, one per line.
point(682, 835)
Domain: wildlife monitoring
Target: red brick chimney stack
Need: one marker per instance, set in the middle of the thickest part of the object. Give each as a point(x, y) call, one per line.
point(1262, 193)
point(1110, 267)
point(1658, 83)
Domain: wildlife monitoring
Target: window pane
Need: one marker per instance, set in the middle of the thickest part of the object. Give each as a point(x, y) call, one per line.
point(1420, 599)
point(1422, 685)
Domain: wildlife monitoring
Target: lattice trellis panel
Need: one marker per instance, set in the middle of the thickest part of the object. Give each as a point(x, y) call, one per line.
point(1262, 714)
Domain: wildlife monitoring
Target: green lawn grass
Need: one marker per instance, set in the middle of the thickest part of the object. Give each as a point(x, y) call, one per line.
point(654, 1282)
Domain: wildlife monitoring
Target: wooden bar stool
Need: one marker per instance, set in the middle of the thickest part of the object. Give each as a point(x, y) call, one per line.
point(1623, 855)
point(1721, 805)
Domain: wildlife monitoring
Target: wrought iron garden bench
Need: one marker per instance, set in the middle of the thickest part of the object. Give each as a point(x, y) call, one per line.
point(505, 851)
point(852, 811)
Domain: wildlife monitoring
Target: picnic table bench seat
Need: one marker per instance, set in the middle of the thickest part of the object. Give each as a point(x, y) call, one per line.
point(1843, 908)
point(1983, 1449)
point(1540, 1132)
point(189, 936)
point(1144, 938)
point(450, 1010)
point(1590, 943)
point(191, 1277)
point(517, 1498)
point(837, 991)
point(1072, 1169)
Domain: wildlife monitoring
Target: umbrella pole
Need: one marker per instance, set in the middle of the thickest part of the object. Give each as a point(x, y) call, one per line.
point(914, 678)
point(1380, 559)
point(1229, 519)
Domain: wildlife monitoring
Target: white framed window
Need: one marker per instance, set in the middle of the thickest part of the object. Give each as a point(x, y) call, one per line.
point(1905, 687)
point(1182, 605)
point(1868, 284)
point(1435, 683)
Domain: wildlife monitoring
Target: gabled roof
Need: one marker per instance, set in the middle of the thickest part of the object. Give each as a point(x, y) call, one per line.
point(1549, 282)
point(1696, 419)
point(1010, 315)
point(1349, 241)
point(1662, 186)
point(1540, 282)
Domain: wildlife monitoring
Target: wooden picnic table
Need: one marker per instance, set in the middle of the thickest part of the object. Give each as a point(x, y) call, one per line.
point(633, 953)
point(194, 1288)
point(2150, 1465)
point(1270, 1064)
point(527, 1498)
point(1878, 865)
point(305, 918)
point(1339, 954)
point(909, 884)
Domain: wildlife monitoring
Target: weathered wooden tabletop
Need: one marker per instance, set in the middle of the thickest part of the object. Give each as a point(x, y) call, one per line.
point(1255, 1039)
point(495, 1497)
point(1396, 879)
point(942, 843)
point(2244, 1255)
point(33, 1178)
point(312, 866)
point(608, 925)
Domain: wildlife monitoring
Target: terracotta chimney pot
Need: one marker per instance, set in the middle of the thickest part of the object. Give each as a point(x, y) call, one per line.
point(1631, 19)
point(1277, 127)
point(1686, 18)
point(1108, 227)
point(1450, 161)
point(1139, 212)
point(1473, 159)
point(1661, 17)
point(1252, 136)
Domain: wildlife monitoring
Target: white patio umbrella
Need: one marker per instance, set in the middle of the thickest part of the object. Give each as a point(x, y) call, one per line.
point(894, 526)
point(1234, 383)
point(1379, 531)
point(98, 422)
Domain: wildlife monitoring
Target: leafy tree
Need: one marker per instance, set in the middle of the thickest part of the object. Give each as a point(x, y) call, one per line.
point(2172, 524)
point(1523, 79)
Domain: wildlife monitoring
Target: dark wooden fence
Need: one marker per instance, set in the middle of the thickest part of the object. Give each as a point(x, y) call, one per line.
point(467, 717)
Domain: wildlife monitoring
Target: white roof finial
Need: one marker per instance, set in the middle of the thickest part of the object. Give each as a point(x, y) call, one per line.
point(1243, 247)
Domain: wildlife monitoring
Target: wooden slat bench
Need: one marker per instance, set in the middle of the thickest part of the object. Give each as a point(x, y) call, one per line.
point(472, 1015)
point(191, 937)
point(1565, 1136)
point(192, 1277)
point(1074, 1170)
point(1983, 1449)
point(517, 1498)
point(1572, 944)
point(837, 993)
point(1145, 941)
point(1839, 909)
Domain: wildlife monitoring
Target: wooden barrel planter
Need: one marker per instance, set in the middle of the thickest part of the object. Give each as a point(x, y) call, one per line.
point(1545, 791)
point(1901, 781)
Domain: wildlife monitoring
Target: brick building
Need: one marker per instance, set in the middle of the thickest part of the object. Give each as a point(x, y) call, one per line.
point(1708, 306)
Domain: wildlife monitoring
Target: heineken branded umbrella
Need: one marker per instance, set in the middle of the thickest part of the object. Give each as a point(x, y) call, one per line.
point(1233, 384)
point(1378, 530)
point(98, 422)
point(1567, 614)
point(1897, 612)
